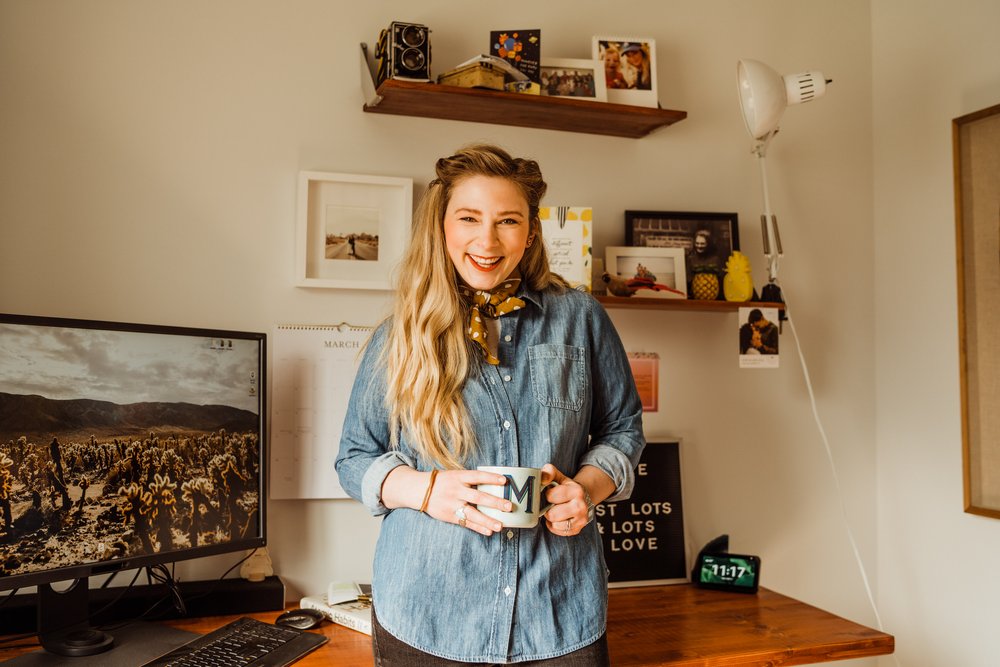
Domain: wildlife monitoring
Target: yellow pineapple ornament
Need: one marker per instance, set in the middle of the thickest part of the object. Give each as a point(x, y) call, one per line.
point(737, 285)
point(705, 286)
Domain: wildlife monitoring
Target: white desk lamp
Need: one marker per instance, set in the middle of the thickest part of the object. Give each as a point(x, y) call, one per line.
point(764, 94)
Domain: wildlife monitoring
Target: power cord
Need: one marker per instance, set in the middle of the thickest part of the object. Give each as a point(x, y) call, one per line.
point(212, 588)
point(9, 597)
point(836, 478)
point(160, 574)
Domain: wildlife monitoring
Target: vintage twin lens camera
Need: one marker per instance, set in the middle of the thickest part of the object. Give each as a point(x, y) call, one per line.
point(403, 52)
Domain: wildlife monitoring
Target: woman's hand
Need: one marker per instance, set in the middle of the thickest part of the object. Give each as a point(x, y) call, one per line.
point(568, 514)
point(455, 496)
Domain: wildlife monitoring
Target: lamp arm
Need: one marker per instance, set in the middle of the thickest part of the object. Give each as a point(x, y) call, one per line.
point(768, 221)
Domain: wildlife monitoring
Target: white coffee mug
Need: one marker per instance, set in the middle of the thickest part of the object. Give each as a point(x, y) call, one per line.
point(525, 492)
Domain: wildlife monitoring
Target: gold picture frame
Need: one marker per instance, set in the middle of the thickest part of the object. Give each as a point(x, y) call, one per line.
point(976, 145)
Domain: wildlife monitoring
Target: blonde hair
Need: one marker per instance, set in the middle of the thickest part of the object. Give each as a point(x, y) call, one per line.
point(427, 356)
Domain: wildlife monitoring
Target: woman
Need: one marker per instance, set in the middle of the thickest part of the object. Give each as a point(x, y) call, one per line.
point(635, 69)
point(488, 359)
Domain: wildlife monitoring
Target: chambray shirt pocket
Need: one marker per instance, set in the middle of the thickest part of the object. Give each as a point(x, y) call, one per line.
point(558, 375)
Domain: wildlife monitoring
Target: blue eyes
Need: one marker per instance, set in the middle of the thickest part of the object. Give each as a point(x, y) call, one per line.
point(505, 221)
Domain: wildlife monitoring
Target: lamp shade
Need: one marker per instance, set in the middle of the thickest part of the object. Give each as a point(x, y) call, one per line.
point(764, 94)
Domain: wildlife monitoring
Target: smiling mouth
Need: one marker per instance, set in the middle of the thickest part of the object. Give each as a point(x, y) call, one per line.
point(485, 263)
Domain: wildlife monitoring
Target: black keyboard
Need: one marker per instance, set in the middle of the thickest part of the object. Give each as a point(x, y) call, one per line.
point(243, 642)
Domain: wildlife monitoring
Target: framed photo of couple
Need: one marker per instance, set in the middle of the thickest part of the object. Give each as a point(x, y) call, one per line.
point(629, 68)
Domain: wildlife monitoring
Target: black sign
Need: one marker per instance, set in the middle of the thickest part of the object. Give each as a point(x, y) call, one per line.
point(644, 535)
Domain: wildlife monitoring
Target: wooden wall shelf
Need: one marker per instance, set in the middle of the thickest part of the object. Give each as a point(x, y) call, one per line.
point(432, 100)
point(690, 305)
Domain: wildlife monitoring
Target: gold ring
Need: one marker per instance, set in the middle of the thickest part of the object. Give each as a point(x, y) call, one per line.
point(462, 522)
point(569, 524)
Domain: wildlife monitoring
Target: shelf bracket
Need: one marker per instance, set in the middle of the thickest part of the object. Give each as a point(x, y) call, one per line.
point(371, 98)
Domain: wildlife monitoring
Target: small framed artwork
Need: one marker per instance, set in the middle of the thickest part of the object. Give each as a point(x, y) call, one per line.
point(352, 229)
point(708, 239)
point(656, 273)
point(572, 77)
point(629, 65)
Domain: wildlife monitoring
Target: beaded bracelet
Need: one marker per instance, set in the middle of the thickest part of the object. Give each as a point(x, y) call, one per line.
point(427, 495)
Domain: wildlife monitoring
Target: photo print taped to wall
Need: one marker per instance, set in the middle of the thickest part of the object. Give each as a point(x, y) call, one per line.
point(758, 337)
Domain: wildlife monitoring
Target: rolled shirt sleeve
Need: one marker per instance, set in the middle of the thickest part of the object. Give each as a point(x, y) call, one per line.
point(617, 439)
point(365, 457)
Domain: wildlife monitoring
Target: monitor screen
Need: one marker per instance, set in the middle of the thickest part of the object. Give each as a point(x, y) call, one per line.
point(125, 445)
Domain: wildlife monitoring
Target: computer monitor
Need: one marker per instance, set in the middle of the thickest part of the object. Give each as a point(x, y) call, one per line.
point(123, 446)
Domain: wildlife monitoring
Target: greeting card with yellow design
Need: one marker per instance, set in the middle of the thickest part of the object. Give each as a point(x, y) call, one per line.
point(568, 234)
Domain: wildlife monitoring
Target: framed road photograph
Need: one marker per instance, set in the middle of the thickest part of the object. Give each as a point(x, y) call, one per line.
point(351, 229)
point(976, 144)
point(708, 239)
point(571, 77)
point(654, 273)
point(629, 65)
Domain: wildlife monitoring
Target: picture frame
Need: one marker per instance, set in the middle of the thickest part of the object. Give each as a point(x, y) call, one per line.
point(351, 229)
point(976, 146)
point(687, 229)
point(629, 65)
point(578, 78)
point(655, 273)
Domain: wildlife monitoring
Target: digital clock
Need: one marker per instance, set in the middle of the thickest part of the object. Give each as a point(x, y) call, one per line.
point(728, 572)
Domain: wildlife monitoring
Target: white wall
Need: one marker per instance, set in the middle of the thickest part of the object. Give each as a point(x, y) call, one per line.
point(148, 168)
point(932, 62)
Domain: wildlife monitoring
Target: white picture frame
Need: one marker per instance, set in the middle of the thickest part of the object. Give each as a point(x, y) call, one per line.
point(627, 86)
point(366, 220)
point(589, 81)
point(666, 266)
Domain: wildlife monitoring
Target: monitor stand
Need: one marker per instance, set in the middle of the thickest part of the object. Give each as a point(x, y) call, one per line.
point(134, 644)
point(68, 639)
point(63, 627)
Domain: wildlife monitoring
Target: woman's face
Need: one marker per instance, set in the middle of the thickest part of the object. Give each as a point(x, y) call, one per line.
point(486, 229)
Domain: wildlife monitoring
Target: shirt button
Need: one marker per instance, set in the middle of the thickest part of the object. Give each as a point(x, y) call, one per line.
point(507, 338)
point(506, 424)
point(506, 378)
point(506, 591)
point(510, 534)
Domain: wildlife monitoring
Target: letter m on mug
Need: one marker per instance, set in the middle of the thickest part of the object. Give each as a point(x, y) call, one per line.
point(520, 493)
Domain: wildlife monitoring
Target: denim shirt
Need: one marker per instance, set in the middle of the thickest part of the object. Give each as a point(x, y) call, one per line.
point(562, 393)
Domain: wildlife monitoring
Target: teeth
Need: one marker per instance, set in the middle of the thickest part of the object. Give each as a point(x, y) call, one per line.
point(483, 261)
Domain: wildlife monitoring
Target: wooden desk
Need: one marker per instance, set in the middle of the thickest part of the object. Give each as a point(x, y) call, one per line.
point(680, 626)
point(686, 626)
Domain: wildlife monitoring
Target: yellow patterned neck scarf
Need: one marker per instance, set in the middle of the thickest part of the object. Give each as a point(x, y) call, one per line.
point(490, 304)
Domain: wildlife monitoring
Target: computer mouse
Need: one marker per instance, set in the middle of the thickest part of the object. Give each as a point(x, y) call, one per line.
point(301, 619)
